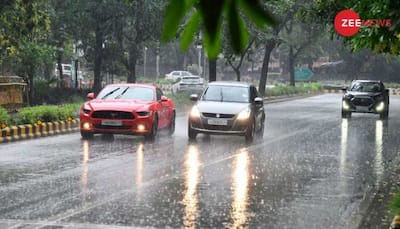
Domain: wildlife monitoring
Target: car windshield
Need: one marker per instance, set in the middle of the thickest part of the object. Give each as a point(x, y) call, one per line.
point(124, 92)
point(365, 87)
point(226, 94)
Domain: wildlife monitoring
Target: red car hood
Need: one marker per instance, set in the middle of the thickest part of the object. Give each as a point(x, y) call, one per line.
point(118, 105)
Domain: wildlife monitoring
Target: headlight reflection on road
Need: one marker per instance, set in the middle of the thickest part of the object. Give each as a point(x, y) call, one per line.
point(240, 181)
point(190, 200)
point(378, 165)
point(139, 168)
point(85, 166)
point(343, 146)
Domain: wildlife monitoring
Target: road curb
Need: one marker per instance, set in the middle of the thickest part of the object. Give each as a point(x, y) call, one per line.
point(28, 131)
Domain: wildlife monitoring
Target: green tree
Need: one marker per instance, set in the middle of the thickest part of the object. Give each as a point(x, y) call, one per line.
point(24, 30)
point(378, 39)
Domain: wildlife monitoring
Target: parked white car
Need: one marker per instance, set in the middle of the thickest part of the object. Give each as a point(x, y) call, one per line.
point(174, 75)
point(192, 84)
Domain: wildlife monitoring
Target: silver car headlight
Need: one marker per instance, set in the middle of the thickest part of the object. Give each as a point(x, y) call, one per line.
point(244, 114)
point(195, 113)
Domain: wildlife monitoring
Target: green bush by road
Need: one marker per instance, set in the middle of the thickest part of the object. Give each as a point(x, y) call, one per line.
point(290, 90)
point(43, 113)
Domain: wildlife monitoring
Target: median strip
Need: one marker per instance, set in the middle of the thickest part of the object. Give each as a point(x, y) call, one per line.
point(15, 133)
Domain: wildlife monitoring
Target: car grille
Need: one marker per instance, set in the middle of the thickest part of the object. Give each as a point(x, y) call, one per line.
point(112, 115)
point(213, 115)
point(220, 128)
point(362, 101)
point(112, 127)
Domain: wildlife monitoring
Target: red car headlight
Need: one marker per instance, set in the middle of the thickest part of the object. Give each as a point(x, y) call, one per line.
point(144, 113)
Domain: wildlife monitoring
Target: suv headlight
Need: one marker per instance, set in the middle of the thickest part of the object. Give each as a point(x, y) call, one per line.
point(244, 114)
point(345, 105)
point(380, 106)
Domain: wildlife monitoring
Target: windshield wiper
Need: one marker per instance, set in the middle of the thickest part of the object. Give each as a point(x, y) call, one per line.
point(122, 93)
point(109, 93)
point(222, 96)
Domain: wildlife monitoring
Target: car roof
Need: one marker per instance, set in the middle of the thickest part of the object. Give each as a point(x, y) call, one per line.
point(366, 81)
point(131, 85)
point(230, 83)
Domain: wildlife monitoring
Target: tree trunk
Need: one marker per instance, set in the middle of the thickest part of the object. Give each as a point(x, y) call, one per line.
point(237, 71)
point(212, 67)
point(132, 64)
point(291, 66)
point(264, 71)
point(98, 61)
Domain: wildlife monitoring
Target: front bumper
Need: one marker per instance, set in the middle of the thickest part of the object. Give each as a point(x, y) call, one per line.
point(136, 126)
point(232, 127)
point(371, 106)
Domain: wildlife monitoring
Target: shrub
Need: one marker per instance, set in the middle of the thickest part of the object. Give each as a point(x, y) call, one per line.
point(4, 117)
point(46, 113)
point(395, 204)
point(290, 90)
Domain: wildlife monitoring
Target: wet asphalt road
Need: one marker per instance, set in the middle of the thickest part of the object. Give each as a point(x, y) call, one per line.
point(312, 169)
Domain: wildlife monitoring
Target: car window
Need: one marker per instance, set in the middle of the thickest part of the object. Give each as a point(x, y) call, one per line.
point(175, 73)
point(226, 94)
point(366, 87)
point(124, 92)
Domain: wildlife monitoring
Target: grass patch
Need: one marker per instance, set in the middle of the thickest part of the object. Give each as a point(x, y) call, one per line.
point(290, 90)
point(181, 100)
point(395, 204)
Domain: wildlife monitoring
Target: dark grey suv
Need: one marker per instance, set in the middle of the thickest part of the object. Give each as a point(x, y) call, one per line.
point(366, 96)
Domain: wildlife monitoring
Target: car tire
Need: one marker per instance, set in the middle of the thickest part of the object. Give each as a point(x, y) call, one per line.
point(154, 128)
point(192, 134)
point(171, 127)
point(346, 114)
point(260, 132)
point(249, 136)
point(86, 135)
point(384, 115)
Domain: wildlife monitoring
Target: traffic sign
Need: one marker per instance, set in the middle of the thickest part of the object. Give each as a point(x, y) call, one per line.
point(302, 74)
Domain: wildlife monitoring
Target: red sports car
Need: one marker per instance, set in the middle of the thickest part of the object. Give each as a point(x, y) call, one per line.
point(127, 109)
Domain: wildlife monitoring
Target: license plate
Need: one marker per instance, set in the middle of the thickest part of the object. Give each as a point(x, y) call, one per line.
point(111, 122)
point(218, 122)
point(362, 109)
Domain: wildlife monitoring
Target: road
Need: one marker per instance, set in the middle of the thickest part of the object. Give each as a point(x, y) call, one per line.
point(312, 169)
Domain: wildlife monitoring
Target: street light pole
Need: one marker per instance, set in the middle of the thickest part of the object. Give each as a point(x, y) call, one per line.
point(199, 60)
point(158, 60)
point(144, 61)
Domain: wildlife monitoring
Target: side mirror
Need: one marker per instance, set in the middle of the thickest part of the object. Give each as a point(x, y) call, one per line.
point(164, 98)
point(344, 89)
point(90, 95)
point(194, 97)
point(258, 101)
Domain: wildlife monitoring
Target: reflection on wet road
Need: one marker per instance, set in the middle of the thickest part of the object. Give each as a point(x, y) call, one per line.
point(312, 169)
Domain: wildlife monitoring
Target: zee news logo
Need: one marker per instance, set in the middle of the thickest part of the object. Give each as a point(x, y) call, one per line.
point(347, 23)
